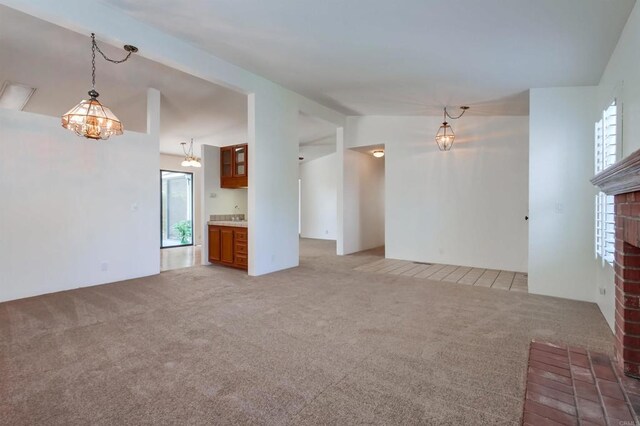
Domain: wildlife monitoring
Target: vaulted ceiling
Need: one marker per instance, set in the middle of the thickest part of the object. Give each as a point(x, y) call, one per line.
point(366, 57)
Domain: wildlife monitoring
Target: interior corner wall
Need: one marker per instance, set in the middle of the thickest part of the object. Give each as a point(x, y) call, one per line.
point(75, 212)
point(318, 198)
point(463, 207)
point(363, 202)
point(173, 163)
point(561, 196)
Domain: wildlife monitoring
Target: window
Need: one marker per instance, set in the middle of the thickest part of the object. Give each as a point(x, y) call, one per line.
point(606, 151)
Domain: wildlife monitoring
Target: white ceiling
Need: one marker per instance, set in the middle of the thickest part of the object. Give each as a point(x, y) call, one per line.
point(407, 56)
point(312, 129)
point(317, 137)
point(190, 107)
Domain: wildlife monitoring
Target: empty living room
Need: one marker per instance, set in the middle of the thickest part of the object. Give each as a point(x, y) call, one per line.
point(338, 212)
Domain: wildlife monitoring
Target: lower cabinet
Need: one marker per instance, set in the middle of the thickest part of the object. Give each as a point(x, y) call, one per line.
point(240, 250)
point(228, 246)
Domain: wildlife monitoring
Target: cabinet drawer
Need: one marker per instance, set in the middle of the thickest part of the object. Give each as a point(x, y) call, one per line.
point(240, 235)
point(241, 260)
point(241, 248)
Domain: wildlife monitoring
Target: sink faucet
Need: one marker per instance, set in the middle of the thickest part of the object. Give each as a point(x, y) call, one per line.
point(236, 209)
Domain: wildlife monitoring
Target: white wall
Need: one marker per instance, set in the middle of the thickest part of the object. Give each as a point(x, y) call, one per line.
point(463, 207)
point(172, 162)
point(620, 80)
point(319, 197)
point(273, 182)
point(363, 203)
point(561, 198)
point(75, 212)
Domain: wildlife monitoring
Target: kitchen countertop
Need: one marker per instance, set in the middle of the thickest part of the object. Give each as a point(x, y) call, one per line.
point(236, 223)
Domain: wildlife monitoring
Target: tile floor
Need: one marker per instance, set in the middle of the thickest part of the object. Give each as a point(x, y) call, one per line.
point(502, 280)
point(180, 257)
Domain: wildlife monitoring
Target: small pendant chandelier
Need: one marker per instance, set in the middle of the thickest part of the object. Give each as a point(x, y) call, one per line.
point(445, 135)
point(190, 160)
point(90, 118)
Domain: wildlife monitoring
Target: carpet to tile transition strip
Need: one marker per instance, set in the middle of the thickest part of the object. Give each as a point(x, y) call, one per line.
point(573, 386)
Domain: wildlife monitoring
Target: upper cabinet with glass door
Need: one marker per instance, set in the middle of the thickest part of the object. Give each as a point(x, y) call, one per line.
point(234, 166)
point(226, 163)
point(240, 161)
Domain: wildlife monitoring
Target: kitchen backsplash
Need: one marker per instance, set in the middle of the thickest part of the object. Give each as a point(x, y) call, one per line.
point(226, 217)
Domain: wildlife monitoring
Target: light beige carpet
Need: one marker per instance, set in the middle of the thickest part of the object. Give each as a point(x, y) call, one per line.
point(318, 344)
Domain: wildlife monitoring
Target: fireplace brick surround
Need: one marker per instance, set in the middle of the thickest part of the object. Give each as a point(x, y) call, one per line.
point(627, 280)
point(623, 180)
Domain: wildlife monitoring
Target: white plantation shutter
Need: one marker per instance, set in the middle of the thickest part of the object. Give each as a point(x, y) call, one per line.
point(599, 147)
point(609, 229)
point(599, 222)
point(609, 131)
point(606, 154)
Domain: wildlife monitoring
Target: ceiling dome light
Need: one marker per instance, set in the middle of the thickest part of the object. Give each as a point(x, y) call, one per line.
point(90, 118)
point(445, 136)
point(378, 153)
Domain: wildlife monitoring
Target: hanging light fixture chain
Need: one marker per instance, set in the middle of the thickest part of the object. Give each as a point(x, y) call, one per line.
point(113, 61)
point(463, 108)
point(93, 61)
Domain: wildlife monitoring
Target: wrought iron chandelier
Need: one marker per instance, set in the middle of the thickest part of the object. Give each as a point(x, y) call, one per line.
point(445, 135)
point(90, 118)
point(190, 160)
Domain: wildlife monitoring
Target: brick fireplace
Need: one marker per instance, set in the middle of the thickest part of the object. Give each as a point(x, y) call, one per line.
point(623, 180)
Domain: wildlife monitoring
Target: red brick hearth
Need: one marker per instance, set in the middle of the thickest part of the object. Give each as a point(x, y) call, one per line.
point(572, 386)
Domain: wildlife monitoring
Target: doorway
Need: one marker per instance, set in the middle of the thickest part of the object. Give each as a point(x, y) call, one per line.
point(176, 209)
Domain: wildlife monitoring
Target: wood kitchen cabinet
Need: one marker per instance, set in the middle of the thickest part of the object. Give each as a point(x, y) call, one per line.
point(228, 246)
point(234, 166)
point(214, 244)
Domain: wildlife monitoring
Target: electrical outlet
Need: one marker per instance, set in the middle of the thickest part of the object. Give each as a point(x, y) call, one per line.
point(603, 291)
point(104, 266)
